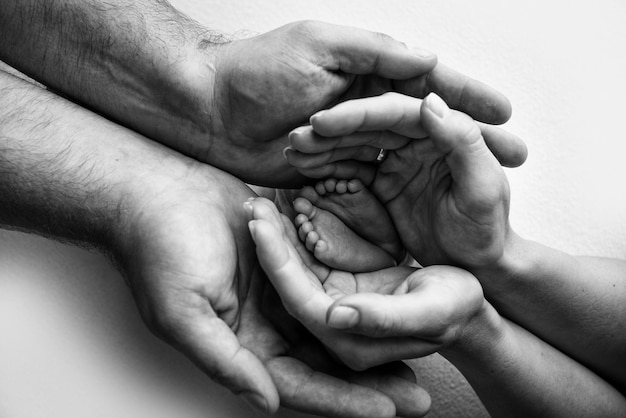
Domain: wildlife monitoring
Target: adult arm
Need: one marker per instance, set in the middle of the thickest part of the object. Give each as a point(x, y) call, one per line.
point(584, 297)
point(449, 199)
point(401, 313)
point(149, 67)
point(177, 231)
point(514, 373)
point(72, 175)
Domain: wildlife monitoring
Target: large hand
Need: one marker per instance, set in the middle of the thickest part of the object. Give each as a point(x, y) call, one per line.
point(191, 264)
point(444, 188)
point(228, 104)
point(267, 85)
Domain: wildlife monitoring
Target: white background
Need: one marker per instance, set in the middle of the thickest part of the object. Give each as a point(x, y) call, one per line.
point(71, 342)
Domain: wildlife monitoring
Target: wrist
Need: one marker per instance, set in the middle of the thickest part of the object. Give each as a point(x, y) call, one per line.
point(144, 187)
point(516, 259)
point(478, 337)
point(176, 107)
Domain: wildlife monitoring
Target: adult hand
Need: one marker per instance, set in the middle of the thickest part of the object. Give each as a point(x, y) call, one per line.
point(178, 231)
point(435, 308)
point(267, 85)
point(230, 104)
point(315, 294)
point(190, 261)
point(444, 189)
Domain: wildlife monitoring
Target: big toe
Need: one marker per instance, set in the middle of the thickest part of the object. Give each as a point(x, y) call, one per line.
point(304, 206)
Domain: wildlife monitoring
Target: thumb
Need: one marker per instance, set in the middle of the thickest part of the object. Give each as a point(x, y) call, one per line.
point(381, 316)
point(358, 51)
point(476, 172)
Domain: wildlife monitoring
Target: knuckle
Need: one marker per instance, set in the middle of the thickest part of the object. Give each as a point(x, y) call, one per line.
point(471, 133)
point(384, 38)
point(307, 27)
point(383, 323)
point(161, 322)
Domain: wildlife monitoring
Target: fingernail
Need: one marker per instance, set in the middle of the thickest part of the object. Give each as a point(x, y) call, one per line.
point(316, 116)
point(286, 151)
point(422, 53)
point(256, 401)
point(342, 317)
point(437, 105)
point(298, 131)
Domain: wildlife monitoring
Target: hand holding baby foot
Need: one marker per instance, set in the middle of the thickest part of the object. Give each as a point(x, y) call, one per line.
point(307, 289)
point(445, 191)
point(453, 204)
point(388, 315)
point(436, 305)
point(345, 141)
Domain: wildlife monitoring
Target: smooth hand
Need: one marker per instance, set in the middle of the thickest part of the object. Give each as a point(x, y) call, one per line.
point(443, 187)
point(398, 313)
point(267, 85)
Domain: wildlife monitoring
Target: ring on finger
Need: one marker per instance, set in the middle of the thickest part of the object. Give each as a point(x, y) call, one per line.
point(382, 154)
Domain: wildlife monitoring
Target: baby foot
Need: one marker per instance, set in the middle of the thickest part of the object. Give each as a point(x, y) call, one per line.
point(334, 244)
point(359, 210)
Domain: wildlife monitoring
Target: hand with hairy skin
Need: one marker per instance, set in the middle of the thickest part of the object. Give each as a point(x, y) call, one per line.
point(177, 231)
point(230, 103)
point(259, 104)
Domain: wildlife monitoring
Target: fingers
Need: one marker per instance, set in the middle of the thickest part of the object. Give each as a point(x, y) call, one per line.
point(304, 389)
point(461, 92)
point(210, 343)
point(509, 150)
point(383, 316)
point(430, 306)
point(300, 291)
point(476, 172)
point(364, 153)
point(396, 380)
point(354, 129)
point(358, 51)
point(306, 140)
point(388, 112)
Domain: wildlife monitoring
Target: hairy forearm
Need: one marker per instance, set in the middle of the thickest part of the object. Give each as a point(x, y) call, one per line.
point(577, 304)
point(136, 62)
point(517, 374)
point(64, 171)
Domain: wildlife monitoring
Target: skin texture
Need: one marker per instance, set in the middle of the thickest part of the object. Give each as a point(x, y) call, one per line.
point(336, 70)
point(308, 289)
point(177, 231)
point(449, 200)
point(219, 101)
point(349, 223)
point(366, 317)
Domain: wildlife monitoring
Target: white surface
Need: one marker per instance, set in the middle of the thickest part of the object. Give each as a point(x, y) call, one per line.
point(71, 342)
